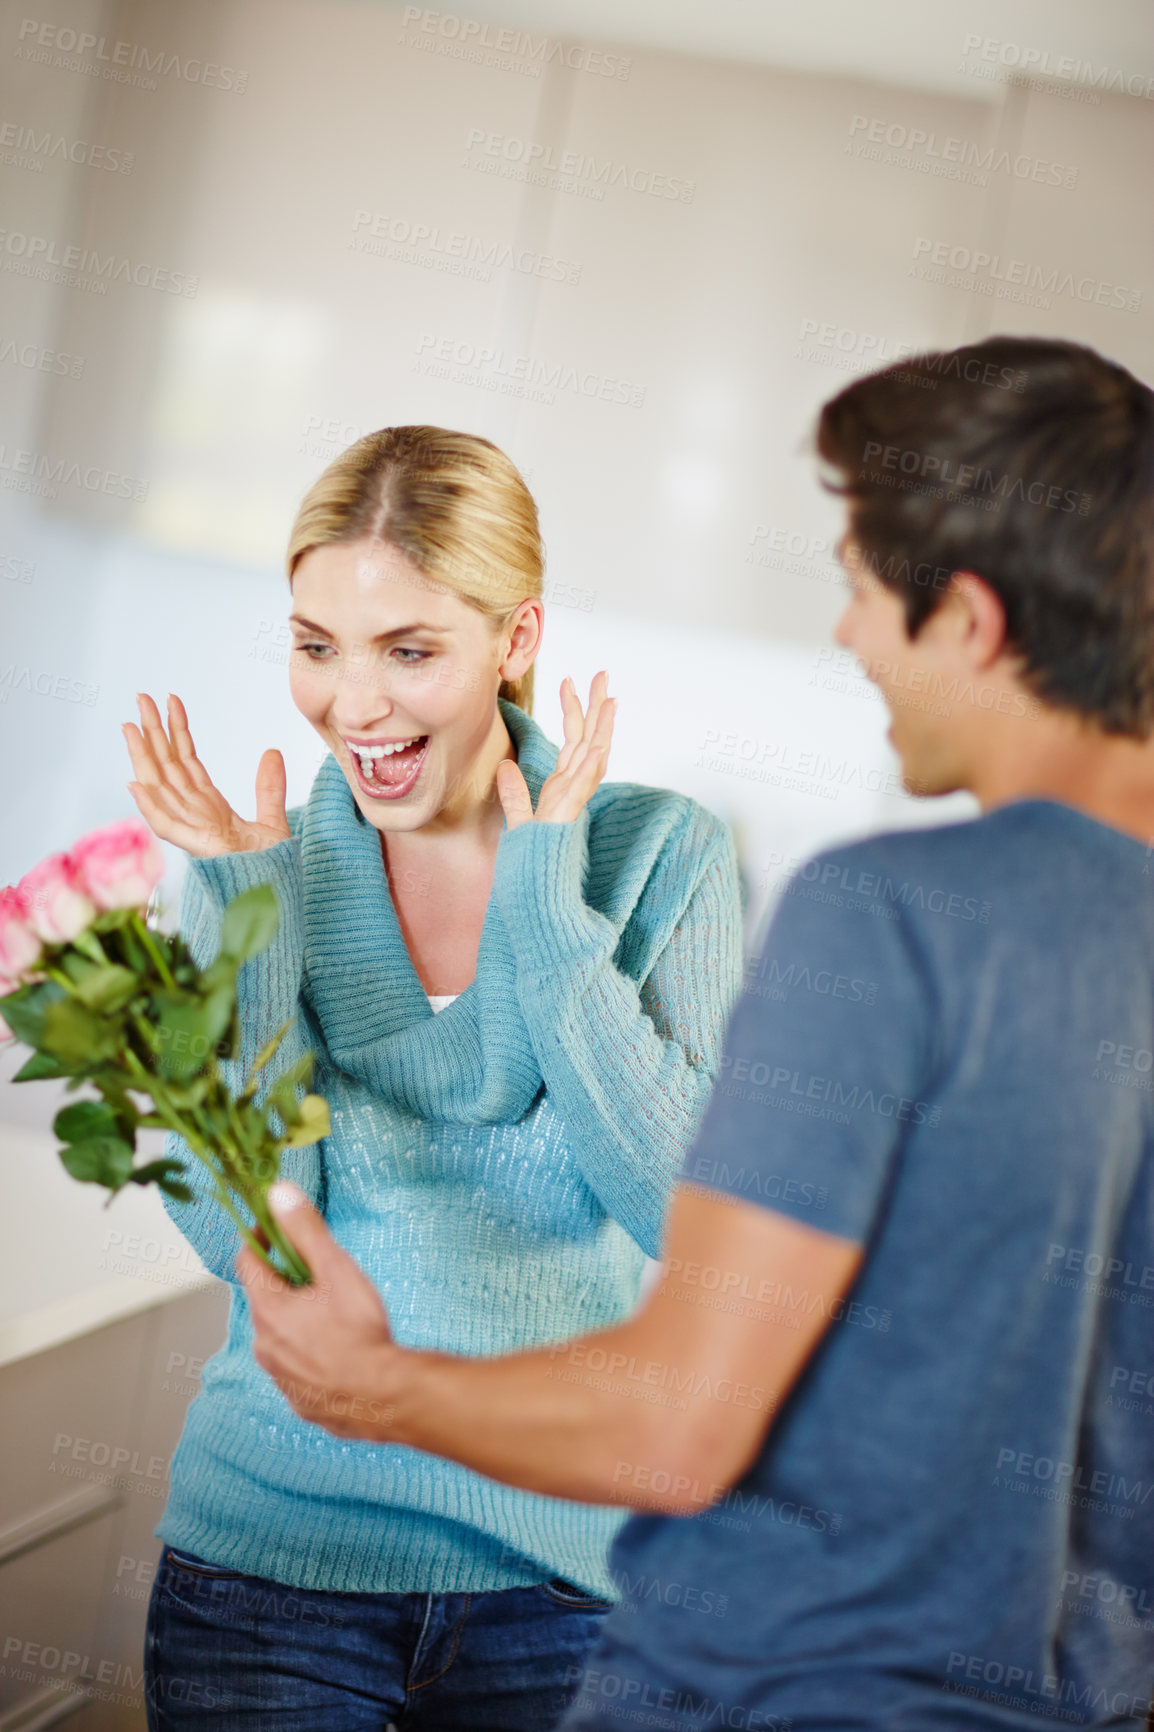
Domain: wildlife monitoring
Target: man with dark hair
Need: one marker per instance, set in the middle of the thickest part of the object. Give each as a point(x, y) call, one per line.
point(890, 1410)
point(1031, 463)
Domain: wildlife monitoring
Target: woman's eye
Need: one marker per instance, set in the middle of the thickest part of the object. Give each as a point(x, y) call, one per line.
point(325, 651)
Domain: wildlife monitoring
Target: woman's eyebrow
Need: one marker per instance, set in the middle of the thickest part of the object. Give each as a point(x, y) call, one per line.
point(381, 637)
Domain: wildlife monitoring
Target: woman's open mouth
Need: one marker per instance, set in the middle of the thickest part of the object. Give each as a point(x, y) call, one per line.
point(388, 772)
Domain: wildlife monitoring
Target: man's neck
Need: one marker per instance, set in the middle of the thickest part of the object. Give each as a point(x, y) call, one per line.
point(1108, 777)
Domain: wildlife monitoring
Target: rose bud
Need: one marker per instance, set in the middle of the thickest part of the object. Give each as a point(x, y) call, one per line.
point(57, 908)
point(19, 945)
point(119, 866)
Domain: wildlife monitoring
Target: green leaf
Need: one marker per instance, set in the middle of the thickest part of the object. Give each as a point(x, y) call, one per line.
point(221, 972)
point(74, 965)
point(41, 1064)
point(113, 919)
point(114, 1084)
point(77, 1036)
point(283, 1093)
point(186, 1094)
point(177, 1190)
point(313, 1122)
point(249, 923)
point(109, 988)
point(218, 982)
point(85, 1119)
point(229, 1044)
point(189, 1029)
point(300, 1071)
point(99, 1161)
point(254, 1126)
point(156, 1169)
point(283, 1096)
point(164, 1172)
point(25, 1010)
point(89, 945)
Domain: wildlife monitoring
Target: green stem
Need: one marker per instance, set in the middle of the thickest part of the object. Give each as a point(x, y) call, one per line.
point(146, 938)
point(246, 1233)
point(220, 1163)
point(169, 1115)
point(295, 1271)
point(299, 1272)
point(146, 1032)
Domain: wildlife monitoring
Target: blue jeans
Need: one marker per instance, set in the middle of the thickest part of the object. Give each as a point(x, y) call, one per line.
point(227, 1651)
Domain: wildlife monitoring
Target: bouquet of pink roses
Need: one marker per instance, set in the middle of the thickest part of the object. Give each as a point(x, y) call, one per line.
point(103, 998)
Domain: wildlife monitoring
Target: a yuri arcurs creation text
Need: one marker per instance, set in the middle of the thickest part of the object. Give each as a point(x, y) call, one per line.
point(104, 998)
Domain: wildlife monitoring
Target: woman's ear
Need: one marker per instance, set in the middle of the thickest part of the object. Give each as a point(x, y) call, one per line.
point(521, 638)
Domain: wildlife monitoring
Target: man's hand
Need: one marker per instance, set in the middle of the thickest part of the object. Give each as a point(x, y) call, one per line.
point(540, 1417)
point(581, 762)
point(327, 1346)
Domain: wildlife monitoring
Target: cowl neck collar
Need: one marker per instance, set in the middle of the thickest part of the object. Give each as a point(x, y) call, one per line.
point(471, 1063)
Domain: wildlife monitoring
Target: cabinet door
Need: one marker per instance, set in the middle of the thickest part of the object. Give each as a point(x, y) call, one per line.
point(87, 1432)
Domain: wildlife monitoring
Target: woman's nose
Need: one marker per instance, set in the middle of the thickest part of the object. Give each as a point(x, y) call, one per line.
point(359, 705)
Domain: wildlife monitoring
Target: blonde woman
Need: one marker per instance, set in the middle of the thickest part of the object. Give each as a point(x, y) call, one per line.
point(515, 978)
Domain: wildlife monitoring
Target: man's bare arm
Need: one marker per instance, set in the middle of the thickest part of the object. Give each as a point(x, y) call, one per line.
point(664, 1411)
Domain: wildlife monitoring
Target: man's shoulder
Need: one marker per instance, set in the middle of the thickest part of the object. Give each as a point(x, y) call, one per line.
point(876, 897)
point(1020, 850)
point(975, 847)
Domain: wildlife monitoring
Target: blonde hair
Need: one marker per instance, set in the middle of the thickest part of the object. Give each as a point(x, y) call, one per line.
point(452, 503)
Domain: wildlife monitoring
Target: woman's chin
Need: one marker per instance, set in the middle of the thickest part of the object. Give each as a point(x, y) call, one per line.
point(406, 814)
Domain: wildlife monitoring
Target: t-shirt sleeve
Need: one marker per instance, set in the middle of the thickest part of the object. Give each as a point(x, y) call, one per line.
point(825, 1066)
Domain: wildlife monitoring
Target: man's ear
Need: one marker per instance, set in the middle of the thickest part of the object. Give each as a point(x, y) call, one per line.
point(972, 619)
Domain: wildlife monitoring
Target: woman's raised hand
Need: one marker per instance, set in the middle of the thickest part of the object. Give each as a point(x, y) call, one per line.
point(581, 762)
point(176, 796)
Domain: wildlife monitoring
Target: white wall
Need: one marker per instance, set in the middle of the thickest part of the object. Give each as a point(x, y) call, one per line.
point(687, 525)
point(657, 386)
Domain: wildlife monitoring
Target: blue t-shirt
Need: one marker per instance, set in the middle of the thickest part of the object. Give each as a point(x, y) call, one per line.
point(945, 1051)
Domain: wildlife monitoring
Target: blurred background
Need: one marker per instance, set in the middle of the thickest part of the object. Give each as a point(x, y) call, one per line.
point(636, 246)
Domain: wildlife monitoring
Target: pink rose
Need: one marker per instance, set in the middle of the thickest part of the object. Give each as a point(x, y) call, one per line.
point(19, 945)
point(119, 866)
point(57, 907)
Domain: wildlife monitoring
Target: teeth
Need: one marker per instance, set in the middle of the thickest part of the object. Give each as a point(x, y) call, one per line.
point(367, 754)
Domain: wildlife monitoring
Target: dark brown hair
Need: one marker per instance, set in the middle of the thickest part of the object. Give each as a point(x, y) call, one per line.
point(1029, 463)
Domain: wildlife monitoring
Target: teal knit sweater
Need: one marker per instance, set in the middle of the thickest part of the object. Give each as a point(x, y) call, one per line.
point(499, 1169)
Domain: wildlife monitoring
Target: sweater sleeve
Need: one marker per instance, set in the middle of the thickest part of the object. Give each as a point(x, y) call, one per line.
point(268, 989)
point(629, 1067)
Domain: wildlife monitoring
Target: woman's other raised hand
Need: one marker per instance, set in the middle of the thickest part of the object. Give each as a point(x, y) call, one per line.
point(176, 796)
point(581, 762)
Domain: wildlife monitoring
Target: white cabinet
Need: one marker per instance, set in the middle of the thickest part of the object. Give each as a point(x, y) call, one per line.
point(87, 1432)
